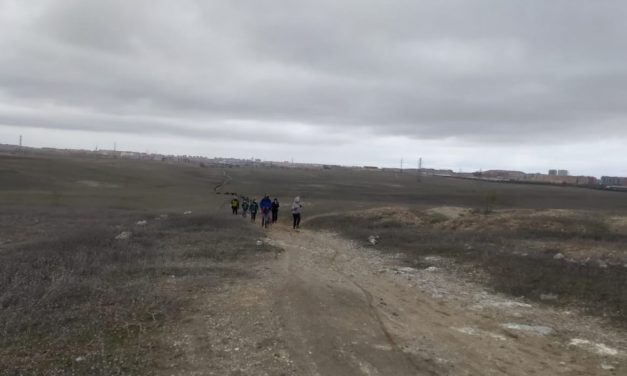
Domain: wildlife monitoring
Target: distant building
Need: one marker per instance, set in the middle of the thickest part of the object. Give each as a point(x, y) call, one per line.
point(587, 180)
point(553, 172)
point(615, 181)
point(371, 168)
point(503, 174)
point(557, 179)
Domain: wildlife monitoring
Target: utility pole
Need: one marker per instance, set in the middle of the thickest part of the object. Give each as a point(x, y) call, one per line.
point(401, 165)
point(419, 171)
point(20, 141)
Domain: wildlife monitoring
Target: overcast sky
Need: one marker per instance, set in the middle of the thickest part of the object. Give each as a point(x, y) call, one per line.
point(464, 84)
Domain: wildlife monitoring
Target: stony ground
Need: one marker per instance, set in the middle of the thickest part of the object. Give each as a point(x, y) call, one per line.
point(328, 306)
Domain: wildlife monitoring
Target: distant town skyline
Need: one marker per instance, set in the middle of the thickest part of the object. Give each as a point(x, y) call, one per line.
point(402, 163)
point(527, 86)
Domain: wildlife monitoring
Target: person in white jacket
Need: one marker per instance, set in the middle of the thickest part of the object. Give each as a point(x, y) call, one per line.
point(296, 209)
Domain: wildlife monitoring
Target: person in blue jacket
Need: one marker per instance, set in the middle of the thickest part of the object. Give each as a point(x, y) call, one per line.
point(266, 209)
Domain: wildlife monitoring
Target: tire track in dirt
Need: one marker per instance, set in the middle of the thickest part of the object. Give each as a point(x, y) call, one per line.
point(423, 366)
point(332, 284)
point(334, 319)
point(419, 366)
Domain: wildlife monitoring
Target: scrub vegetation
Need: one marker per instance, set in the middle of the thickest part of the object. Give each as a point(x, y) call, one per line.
point(562, 257)
point(75, 299)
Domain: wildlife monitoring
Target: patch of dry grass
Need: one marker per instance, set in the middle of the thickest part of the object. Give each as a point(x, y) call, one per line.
point(517, 249)
point(81, 302)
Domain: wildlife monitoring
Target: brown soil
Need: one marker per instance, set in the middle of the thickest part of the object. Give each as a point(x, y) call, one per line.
point(327, 306)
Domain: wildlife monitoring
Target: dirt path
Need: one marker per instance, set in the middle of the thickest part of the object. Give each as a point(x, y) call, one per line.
point(327, 306)
point(227, 178)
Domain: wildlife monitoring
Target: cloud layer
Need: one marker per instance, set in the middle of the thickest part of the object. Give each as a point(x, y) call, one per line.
point(483, 73)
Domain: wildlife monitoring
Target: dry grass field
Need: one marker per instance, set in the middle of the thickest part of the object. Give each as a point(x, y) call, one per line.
point(68, 287)
point(71, 288)
point(149, 185)
point(75, 299)
point(573, 257)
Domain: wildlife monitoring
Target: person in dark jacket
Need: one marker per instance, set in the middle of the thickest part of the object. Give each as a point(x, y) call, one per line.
point(266, 208)
point(245, 206)
point(253, 210)
point(275, 210)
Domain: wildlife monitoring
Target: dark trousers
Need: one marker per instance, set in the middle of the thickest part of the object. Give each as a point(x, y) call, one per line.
point(275, 215)
point(234, 209)
point(265, 217)
point(296, 220)
point(252, 216)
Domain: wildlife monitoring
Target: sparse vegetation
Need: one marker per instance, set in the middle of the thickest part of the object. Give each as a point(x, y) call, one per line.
point(516, 250)
point(74, 300)
point(83, 302)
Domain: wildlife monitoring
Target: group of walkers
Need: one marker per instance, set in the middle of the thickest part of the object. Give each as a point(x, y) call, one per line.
point(269, 209)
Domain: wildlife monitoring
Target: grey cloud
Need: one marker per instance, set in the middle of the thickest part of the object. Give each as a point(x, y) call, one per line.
point(483, 71)
point(209, 129)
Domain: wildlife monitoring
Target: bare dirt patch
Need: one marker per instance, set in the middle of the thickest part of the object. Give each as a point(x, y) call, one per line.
point(230, 329)
point(390, 214)
point(350, 310)
point(561, 257)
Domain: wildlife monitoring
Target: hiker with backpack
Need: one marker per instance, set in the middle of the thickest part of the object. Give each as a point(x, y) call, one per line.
point(245, 205)
point(234, 205)
point(275, 210)
point(253, 210)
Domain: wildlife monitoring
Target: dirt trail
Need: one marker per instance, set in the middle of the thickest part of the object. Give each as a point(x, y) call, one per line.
point(227, 178)
point(349, 310)
point(327, 306)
